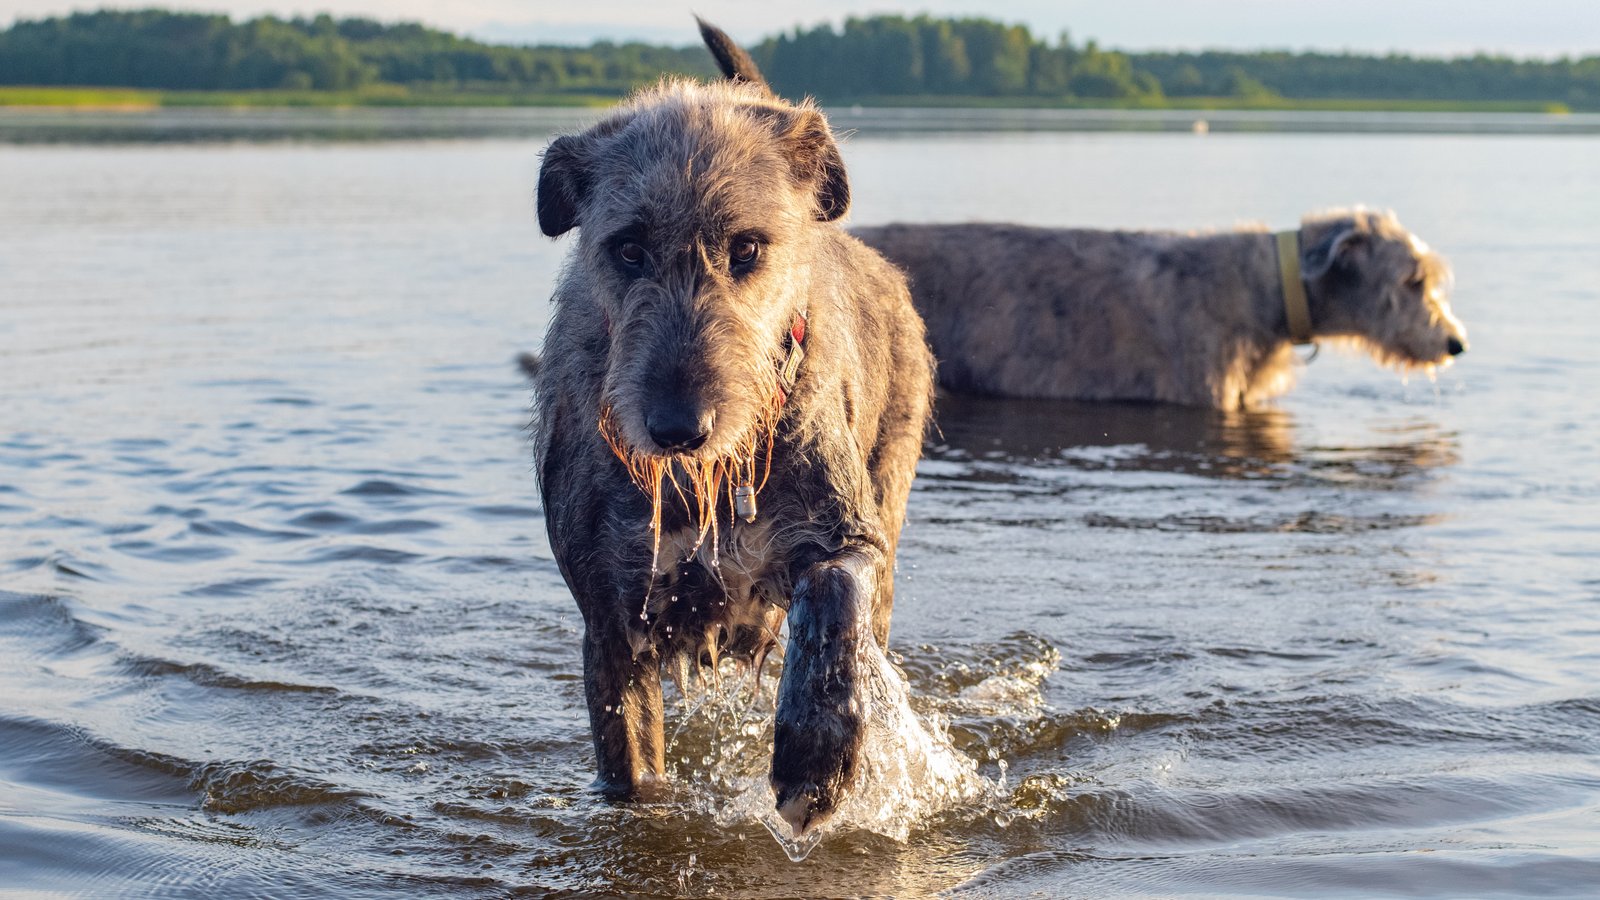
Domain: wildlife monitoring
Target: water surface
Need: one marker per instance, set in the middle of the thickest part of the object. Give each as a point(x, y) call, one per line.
point(277, 613)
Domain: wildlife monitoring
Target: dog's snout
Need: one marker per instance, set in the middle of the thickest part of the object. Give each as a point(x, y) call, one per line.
point(679, 426)
point(1455, 346)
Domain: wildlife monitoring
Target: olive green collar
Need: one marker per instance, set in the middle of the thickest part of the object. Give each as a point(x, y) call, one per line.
point(1295, 306)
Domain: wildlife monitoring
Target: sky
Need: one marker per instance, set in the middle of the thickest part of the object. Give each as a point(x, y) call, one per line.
point(1429, 27)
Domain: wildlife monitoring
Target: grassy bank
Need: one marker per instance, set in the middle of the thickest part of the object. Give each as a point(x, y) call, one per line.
point(378, 95)
point(398, 96)
point(86, 98)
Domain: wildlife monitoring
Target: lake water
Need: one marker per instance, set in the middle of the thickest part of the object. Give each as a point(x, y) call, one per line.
point(277, 613)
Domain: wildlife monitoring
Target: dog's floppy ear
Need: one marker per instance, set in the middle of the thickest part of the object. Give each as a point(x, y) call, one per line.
point(735, 63)
point(1318, 259)
point(815, 158)
point(562, 185)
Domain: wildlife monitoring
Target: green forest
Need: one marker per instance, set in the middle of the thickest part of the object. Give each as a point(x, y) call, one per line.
point(194, 51)
point(896, 56)
point(877, 59)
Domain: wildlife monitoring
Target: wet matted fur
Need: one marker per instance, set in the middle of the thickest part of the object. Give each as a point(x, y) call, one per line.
point(706, 218)
point(1196, 319)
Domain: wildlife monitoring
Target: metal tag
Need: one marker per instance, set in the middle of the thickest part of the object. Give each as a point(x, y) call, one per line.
point(744, 502)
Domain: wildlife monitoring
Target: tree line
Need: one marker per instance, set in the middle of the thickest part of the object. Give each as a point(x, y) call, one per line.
point(865, 58)
point(196, 51)
point(887, 56)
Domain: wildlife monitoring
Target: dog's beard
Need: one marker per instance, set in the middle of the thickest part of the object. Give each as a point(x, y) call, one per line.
point(700, 484)
point(1402, 360)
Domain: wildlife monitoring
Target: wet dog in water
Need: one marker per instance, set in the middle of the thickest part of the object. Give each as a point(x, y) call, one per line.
point(730, 404)
point(1197, 319)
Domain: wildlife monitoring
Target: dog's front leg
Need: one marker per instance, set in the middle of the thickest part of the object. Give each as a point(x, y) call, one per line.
point(822, 710)
point(625, 714)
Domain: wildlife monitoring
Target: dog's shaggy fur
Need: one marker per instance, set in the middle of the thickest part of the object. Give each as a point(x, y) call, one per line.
point(706, 223)
point(1196, 319)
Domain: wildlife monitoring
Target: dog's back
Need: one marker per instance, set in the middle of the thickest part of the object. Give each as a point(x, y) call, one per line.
point(1050, 312)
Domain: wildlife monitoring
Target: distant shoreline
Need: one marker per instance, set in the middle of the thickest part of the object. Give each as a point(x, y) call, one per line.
point(107, 99)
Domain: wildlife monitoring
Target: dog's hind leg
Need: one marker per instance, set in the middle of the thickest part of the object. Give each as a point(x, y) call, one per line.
point(625, 713)
point(821, 718)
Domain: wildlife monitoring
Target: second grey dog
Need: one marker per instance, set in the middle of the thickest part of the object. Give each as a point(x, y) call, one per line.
point(1196, 319)
point(717, 339)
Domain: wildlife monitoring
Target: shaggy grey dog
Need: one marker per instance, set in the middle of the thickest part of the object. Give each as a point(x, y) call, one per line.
point(1197, 319)
point(717, 339)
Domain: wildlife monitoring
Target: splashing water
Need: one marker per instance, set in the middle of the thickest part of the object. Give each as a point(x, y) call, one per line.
point(910, 769)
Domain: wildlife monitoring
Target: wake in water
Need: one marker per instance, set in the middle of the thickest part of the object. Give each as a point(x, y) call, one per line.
point(910, 769)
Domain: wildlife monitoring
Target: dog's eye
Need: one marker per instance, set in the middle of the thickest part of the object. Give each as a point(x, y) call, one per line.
point(1416, 282)
point(744, 251)
point(631, 254)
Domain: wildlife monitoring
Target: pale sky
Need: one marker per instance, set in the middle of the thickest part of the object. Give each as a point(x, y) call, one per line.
point(1431, 27)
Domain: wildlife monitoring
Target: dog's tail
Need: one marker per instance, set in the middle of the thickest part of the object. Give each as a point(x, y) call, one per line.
point(529, 364)
point(735, 63)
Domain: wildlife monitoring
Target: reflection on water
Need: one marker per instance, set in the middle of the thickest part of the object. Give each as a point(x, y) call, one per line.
point(1238, 444)
point(277, 614)
point(179, 125)
point(911, 122)
point(1113, 435)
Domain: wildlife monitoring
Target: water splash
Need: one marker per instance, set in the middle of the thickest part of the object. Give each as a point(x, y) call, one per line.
point(910, 769)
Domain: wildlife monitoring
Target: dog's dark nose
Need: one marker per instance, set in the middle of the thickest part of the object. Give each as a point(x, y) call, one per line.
point(1455, 347)
point(679, 427)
